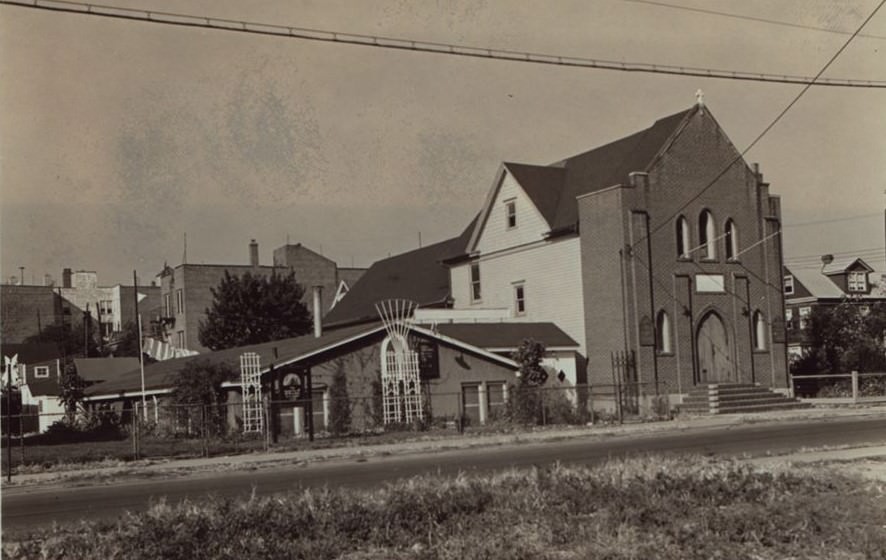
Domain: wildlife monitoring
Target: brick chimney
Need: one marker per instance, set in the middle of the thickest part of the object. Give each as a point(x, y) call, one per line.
point(253, 254)
point(318, 311)
point(66, 278)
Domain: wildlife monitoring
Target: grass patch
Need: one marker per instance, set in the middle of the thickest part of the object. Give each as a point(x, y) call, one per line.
point(653, 507)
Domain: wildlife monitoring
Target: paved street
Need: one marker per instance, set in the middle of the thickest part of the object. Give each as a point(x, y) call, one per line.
point(29, 507)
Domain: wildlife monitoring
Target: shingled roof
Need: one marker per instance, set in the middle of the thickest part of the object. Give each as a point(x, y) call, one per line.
point(417, 275)
point(162, 375)
point(506, 336)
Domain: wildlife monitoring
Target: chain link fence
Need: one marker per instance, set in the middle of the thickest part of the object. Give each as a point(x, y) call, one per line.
point(33, 441)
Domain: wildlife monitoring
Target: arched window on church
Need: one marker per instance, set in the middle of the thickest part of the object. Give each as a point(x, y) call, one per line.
point(759, 331)
point(707, 235)
point(683, 242)
point(731, 237)
point(663, 333)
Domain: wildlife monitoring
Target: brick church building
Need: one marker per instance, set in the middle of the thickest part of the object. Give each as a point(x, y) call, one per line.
point(661, 249)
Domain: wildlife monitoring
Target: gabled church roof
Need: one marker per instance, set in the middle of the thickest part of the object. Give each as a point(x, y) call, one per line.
point(553, 188)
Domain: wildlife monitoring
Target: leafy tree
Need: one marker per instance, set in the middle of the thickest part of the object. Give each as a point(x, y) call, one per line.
point(527, 399)
point(339, 403)
point(200, 385)
point(252, 309)
point(72, 390)
point(842, 338)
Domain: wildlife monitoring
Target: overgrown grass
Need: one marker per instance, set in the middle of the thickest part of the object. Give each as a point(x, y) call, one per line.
point(651, 507)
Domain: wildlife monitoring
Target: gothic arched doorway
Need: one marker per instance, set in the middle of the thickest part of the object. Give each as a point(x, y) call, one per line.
point(714, 355)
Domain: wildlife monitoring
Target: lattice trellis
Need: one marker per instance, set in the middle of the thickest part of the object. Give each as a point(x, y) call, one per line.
point(250, 382)
point(401, 384)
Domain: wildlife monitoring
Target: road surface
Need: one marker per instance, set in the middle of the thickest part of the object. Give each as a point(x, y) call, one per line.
point(30, 508)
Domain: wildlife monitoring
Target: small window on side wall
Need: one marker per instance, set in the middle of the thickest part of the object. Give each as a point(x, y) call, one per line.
point(41, 371)
point(511, 213)
point(475, 282)
point(519, 299)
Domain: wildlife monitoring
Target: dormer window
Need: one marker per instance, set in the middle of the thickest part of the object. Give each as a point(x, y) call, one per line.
point(858, 282)
point(511, 213)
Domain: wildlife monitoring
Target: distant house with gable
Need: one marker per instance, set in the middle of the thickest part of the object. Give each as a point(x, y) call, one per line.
point(847, 281)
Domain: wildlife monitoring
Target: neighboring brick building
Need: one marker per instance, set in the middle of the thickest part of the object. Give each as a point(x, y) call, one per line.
point(113, 307)
point(663, 245)
point(25, 310)
point(186, 290)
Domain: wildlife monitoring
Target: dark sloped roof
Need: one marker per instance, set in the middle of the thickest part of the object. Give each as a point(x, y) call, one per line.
point(161, 375)
point(98, 370)
point(418, 275)
point(506, 335)
point(542, 184)
point(44, 387)
point(611, 164)
point(32, 353)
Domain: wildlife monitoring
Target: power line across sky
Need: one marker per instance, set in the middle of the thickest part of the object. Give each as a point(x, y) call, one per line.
point(447, 49)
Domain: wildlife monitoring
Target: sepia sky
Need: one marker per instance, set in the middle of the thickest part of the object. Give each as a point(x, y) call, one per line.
point(118, 137)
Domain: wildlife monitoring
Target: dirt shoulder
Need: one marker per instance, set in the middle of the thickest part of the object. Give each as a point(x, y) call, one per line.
point(109, 472)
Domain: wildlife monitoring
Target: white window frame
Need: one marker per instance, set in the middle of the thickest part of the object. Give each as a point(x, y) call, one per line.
point(788, 284)
point(519, 299)
point(476, 287)
point(180, 301)
point(804, 313)
point(511, 213)
point(181, 339)
point(857, 282)
point(41, 371)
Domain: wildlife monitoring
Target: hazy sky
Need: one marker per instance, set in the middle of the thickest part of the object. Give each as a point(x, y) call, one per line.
point(119, 137)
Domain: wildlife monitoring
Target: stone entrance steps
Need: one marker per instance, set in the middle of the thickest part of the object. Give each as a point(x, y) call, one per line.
point(726, 398)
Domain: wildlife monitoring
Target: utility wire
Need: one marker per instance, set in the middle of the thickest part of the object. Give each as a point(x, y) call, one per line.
point(451, 49)
point(751, 18)
point(832, 220)
point(765, 131)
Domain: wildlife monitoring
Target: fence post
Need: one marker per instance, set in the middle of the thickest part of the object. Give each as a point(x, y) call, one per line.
point(135, 450)
point(203, 430)
point(21, 437)
point(854, 386)
point(541, 404)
